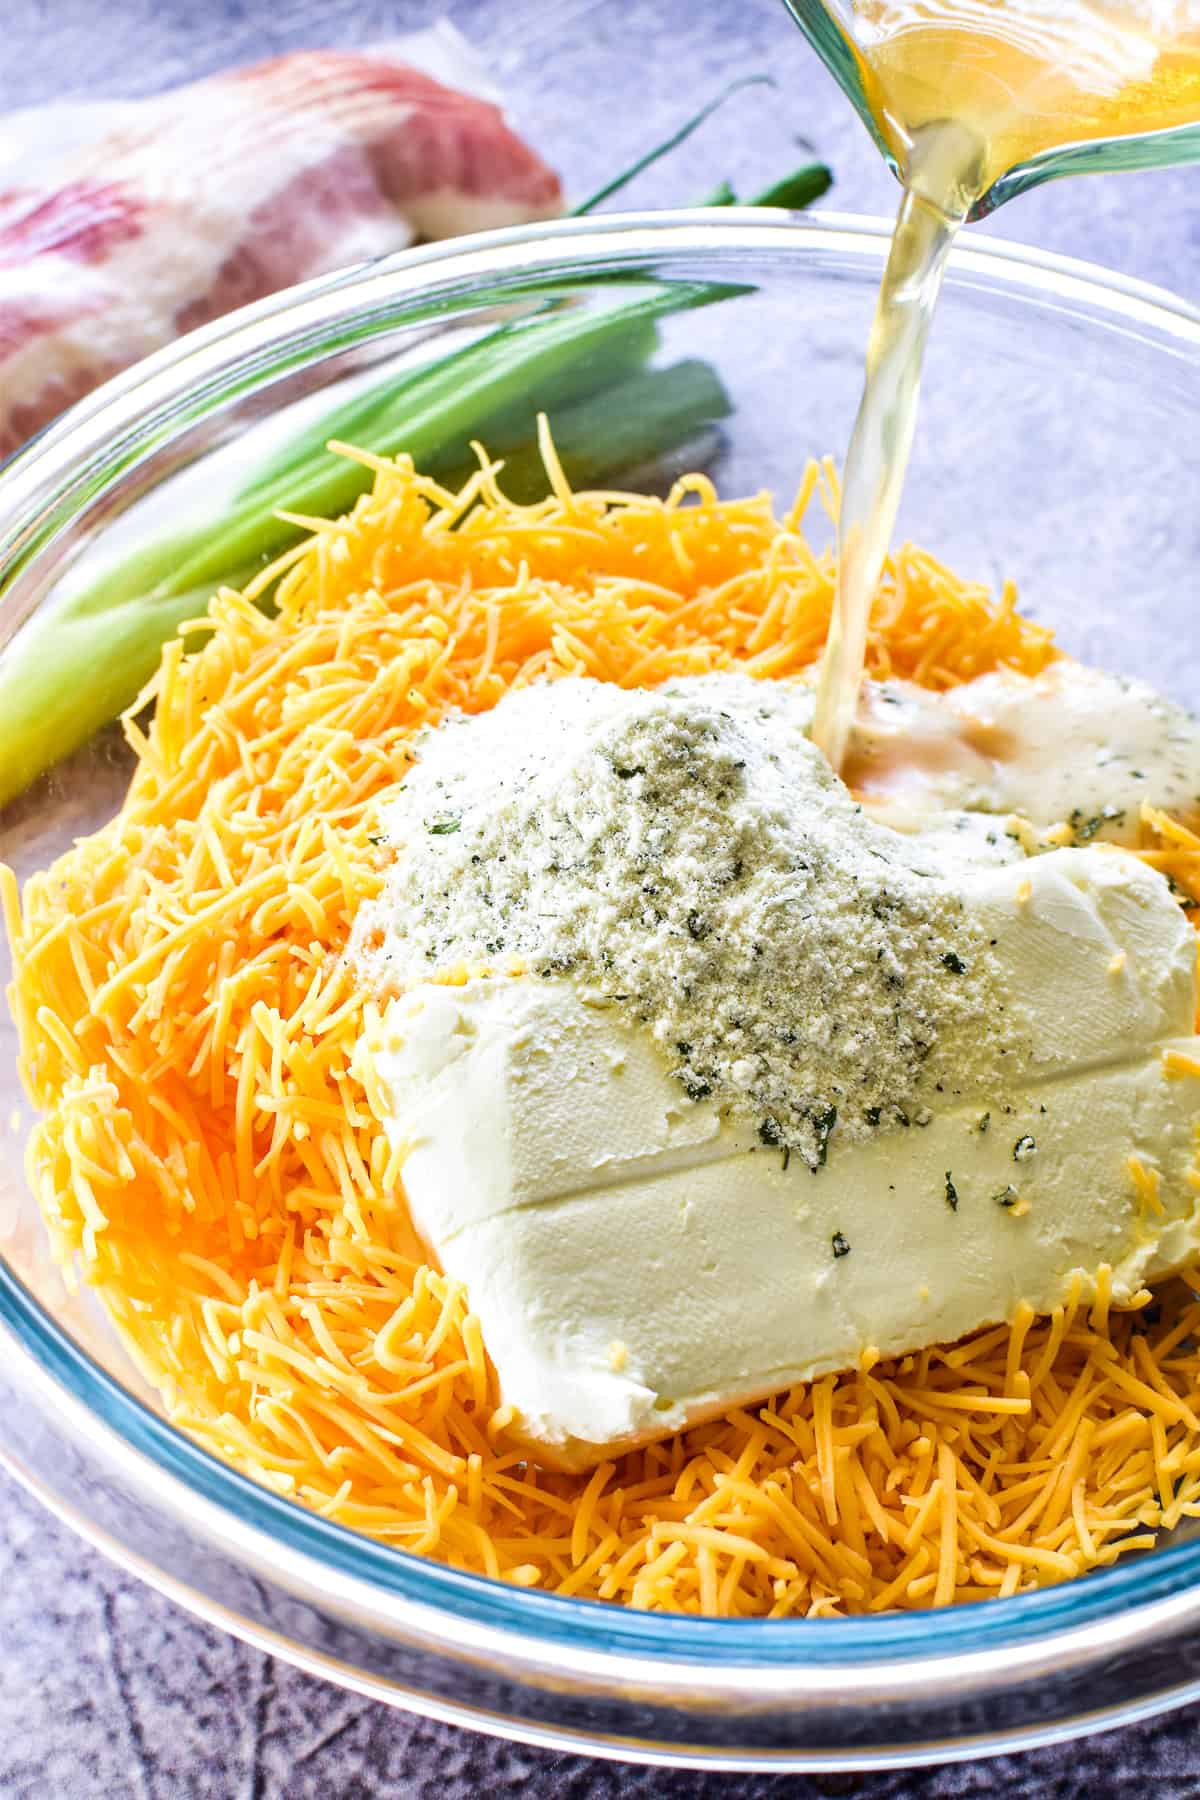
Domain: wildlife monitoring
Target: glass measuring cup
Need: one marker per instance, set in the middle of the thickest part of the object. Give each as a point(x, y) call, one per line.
point(834, 31)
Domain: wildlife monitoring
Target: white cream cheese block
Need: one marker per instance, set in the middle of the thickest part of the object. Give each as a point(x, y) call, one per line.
point(638, 1262)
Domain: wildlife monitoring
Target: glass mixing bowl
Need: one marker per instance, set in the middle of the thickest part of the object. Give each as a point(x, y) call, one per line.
point(1058, 446)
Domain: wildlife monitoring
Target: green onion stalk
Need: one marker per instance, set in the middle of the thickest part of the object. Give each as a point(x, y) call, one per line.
point(77, 665)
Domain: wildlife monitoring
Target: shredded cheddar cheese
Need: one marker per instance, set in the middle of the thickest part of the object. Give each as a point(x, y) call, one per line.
point(1146, 1183)
point(208, 1161)
point(1173, 848)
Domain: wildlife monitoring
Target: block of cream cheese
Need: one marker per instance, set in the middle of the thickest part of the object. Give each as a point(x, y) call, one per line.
point(639, 1262)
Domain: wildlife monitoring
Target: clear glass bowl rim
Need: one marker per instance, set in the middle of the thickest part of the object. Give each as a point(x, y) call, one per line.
point(1005, 1641)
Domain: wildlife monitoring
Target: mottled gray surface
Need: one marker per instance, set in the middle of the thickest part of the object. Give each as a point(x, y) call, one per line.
point(106, 1689)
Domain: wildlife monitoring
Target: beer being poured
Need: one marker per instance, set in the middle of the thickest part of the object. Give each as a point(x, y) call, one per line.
point(962, 92)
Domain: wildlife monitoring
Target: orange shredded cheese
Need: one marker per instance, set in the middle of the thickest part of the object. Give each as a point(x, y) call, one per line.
point(1173, 848)
point(1146, 1183)
point(208, 1161)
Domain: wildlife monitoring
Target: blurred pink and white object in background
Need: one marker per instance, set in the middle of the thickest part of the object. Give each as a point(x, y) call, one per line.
point(125, 223)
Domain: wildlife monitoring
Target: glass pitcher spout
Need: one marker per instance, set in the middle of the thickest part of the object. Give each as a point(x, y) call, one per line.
point(1094, 93)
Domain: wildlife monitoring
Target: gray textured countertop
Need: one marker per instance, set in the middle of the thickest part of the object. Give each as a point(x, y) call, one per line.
point(106, 1688)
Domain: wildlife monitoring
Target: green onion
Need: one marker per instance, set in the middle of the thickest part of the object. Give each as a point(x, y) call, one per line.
point(670, 143)
point(434, 411)
point(792, 192)
point(797, 190)
point(721, 195)
point(616, 430)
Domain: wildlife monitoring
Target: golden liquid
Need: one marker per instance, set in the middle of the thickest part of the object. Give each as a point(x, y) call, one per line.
point(963, 91)
point(1028, 76)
